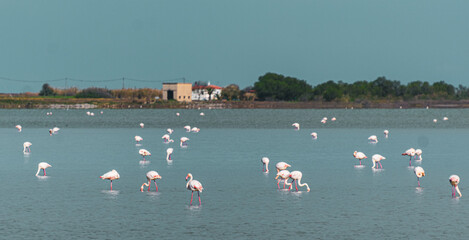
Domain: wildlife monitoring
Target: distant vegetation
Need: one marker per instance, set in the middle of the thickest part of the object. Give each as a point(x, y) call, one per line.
point(276, 87)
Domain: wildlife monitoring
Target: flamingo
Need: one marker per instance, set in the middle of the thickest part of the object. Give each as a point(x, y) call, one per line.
point(386, 133)
point(377, 158)
point(169, 151)
point(188, 128)
point(87, 113)
point(177, 114)
point(284, 174)
point(195, 129)
point(50, 132)
point(144, 153)
point(454, 181)
point(138, 139)
point(419, 172)
point(55, 130)
point(142, 125)
point(26, 145)
point(43, 166)
point(165, 138)
point(92, 114)
point(151, 176)
point(296, 126)
point(333, 119)
point(445, 119)
point(373, 139)
point(19, 128)
point(202, 114)
point(409, 152)
point(183, 142)
point(359, 156)
point(434, 120)
point(324, 120)
point(169, 130)
point(418, 154)
point(265, 164)
point(314, 135)
point(281, 166)
point(111, 175)
point(296, 176)
point(194, 185)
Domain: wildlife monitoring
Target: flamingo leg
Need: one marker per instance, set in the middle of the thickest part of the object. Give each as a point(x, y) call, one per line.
point(360, 162)
point(169, 156)
point(380, 165)
point(149, 182)
point(278, 184)
point(284, 181)
point(192, 197)
point(296, 186)
point(111, 185)
point(418, 180)
point(156, 185)
point(198, 193)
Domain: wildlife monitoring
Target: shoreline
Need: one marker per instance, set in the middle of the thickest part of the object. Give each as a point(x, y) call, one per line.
point(105, 103)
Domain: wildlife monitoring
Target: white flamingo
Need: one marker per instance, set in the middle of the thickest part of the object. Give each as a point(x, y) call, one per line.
point(419, 172)
point(454, 181)
point(418, 154)
point(296, 176)
point(184, 141)
point(188, 128)
point(195, 129)
point(43, 166)
point(19, 128)
point(386, 133)
point(411, 153)
point(202, 114)
point(373, 139)
point(281, 166)
point(194, 185)
point(333, 119)
point(55, 130)
point(265, 164)
point(445, 119)
point(377, 159)
point(360, 156)
point(151, 176)
point(169, 130)
point(178, 114)
point(285, 175)
point(142, 125)
point(144, 153)
point(296, 126)
point(26, 145)
point(169, 151)
point(314, 135)
point(111, 175)
point(138, 139)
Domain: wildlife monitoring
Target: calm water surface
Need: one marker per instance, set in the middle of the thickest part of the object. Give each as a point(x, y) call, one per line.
point(238, 201)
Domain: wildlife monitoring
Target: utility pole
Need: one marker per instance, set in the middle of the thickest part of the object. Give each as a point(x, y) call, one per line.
point(123, 83)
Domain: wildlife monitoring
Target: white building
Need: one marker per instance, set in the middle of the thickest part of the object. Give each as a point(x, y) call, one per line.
point(200, 92)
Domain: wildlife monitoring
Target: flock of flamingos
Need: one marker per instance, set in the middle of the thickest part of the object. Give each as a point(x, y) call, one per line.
point(282, 173)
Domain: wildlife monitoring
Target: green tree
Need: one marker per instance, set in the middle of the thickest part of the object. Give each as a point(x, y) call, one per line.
point(210, 91)
point(46, 90)
point(231, 92)
point(274, 86)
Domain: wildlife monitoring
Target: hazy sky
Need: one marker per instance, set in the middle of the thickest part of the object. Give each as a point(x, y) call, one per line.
point(231, 41)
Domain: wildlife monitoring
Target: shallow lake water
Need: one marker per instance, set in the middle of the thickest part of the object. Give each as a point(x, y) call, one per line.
point(239, 201)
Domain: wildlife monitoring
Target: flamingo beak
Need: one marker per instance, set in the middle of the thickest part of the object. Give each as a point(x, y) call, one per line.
point(423, 174)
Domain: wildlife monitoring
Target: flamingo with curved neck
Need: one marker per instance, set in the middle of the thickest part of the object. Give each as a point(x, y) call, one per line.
point(169, 151)
point(454, 181)
point(43, 166)
point(284, 174)
point(26, 146)
point(193, 185)
point(151, 176)
point(296, 176)
point(419, 172)
point(265, 164)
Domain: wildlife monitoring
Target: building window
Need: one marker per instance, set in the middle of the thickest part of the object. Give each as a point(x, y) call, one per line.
point(184, 97)
point(179, 97)
point(188, 97)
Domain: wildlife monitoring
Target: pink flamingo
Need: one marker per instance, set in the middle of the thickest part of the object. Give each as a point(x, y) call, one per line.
point(19, 128)
point(296, 176)
point(138, 139)
point(454, 181)
point(111, 175)
point(43, 166)
point(409, 152)
point(151, 176)
point(144, 153)
point(359, 156)
point(296, 126)
point(281, 166)
point(265, 164)
point(419, 172)
point(377, 159)
point(284, 174)
point(26, 146)
point(194, 185)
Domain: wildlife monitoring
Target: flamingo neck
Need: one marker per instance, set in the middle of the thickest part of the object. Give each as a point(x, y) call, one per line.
point(189, 181)
point(457, 189)
point(38, 170)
